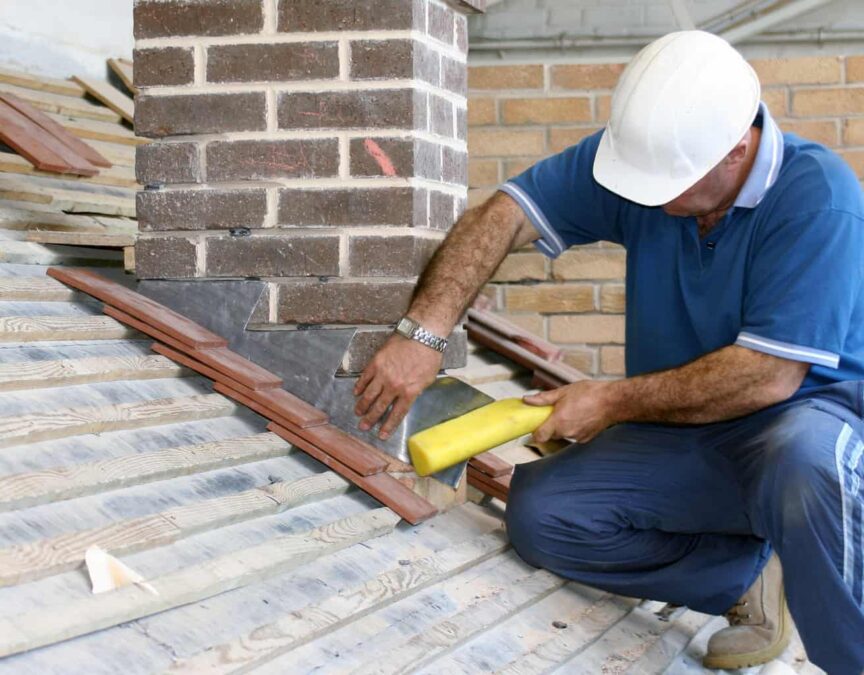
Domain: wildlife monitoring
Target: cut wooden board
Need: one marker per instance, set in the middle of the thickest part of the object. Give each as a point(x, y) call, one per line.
point(58, 131)
point(119, 176)
point(64, 422)
point(129, 259)
point(494, 487)
point(46, 557)
point(23, 490)
point(491, 464)
point(60, 104)
point(105, 239)
point(47, 625)
point(43, 150)
point(41, 83)
point(237, 369)
point(156, 315)
point(362, 463)
point(438, 640)
point(28, 328)
point(108, 95)
point(40, 289)
point(269, 641)
point(63, 373)
point(123, 70)
point(382, 486)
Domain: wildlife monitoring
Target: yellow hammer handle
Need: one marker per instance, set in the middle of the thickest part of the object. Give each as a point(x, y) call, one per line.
point(456, 440)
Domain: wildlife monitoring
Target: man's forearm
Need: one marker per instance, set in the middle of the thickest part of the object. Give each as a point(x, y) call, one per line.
point(465, 261)
point(728, 383)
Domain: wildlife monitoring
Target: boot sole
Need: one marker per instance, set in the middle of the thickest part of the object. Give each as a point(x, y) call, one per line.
point(760, 656)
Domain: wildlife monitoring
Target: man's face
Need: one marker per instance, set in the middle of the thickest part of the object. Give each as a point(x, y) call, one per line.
point(703, 198)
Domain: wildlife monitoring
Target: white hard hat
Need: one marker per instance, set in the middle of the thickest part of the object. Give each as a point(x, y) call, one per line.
point(680, 107)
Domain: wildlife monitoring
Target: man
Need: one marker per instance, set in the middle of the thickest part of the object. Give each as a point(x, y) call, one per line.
point(738, 430)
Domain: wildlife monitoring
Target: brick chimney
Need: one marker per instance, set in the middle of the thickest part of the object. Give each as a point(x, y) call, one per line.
point(316, 145)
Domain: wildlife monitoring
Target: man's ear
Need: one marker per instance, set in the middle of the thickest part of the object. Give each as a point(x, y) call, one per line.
point(739, 152)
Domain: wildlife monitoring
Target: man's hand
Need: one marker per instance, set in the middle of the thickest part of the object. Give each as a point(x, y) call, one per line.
point(582, 410)
point(396, 375)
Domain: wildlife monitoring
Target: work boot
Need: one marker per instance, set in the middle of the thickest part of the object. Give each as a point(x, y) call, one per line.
point(759, 625)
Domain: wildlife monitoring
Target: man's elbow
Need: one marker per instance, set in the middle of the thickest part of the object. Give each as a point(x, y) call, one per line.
point(786, 380)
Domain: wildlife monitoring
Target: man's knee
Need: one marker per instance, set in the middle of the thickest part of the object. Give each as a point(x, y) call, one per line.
point(799, 476)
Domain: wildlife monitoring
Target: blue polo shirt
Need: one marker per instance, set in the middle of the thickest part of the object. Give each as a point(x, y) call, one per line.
point(781, 273)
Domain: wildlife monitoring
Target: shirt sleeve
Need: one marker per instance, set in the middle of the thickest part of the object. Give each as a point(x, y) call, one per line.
point(802, 287)
point(564, 202)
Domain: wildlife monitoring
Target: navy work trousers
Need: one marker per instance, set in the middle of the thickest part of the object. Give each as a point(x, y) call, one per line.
point(689, 515)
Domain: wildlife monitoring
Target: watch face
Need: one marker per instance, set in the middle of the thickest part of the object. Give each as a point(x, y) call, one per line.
point(405, 326)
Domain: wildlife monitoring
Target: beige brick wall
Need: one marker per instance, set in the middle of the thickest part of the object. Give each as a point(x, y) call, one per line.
point(518, 114)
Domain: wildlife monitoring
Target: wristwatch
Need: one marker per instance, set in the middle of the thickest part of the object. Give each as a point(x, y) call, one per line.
point(412, 330)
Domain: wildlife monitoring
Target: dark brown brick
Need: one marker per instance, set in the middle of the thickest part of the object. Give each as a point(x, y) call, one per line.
point(279, 62)
point(367, 341)
point(441, 23)
point(157, 116)
point(454, 76)
point(399, 108)
point(372, 206)
point(200, 209)
point(454, 166)
point(343, 302)
point(163, 67)
point(441, 116)
point(256, 160)
point(326, 15)
point(294, 255)
point(440, 210)
point(394, 59)
point(167, 163)
point(165, 258)
point(462, 33)
point(156, 18)
point(401, 157)
point(389, 256)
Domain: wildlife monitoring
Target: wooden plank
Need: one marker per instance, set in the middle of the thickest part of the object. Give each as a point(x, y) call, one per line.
point(42, 426)
point(494, 487)
point(41, 83)
point(582, 630)
point(58, 131)
point(445, 636)
point(63, 373)
point(160, 317)
point(30, 253)
point(119, 176)
point(236, 369)
point(29, 328)
point(48, 625)
point(55, 484)
point(381, 486)
point(24, 188)
point(94, 130)
point(269, 641)
point(40, 289)
point(105, 239)
point(108, 95)
point(39, 147)
point(491, 464)
point(123, 70)
point(129, 259)
point(60, 104)
point(145, 328)
point(46, 557)
point(12, 218)
point(362, 463)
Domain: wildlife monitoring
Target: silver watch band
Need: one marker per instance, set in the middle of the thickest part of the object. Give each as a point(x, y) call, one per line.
point(423, 336)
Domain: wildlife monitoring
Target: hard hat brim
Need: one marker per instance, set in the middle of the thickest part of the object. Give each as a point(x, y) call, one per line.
point(622, 178)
